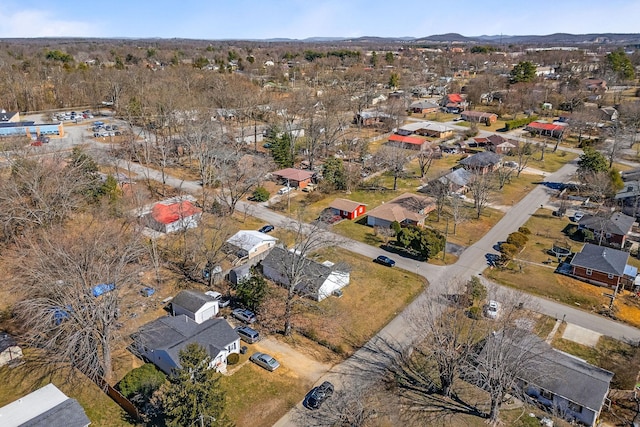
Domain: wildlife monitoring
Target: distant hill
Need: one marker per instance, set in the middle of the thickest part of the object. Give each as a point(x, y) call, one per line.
point(557, 38)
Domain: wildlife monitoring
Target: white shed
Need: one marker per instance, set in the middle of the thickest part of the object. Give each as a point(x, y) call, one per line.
point(195, 305)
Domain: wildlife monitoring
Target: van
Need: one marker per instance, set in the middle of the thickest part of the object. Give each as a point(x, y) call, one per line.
point(248, 334)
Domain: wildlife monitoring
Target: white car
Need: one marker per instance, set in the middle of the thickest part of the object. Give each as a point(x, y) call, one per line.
point(285, 190)
point(577, 216)
point(492, 310)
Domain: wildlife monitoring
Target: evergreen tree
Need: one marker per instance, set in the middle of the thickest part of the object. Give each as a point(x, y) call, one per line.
point(592, 161)
point(620, 64)
point(193, 396)
point(333, 173)
point(251, 292)
point(282, 150)
point(524, 71)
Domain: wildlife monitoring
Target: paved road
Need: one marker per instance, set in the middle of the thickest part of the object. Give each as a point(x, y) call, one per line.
point(472, 262)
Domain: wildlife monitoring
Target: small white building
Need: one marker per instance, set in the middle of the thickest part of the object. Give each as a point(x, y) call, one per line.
point(250, 243)
point(195, 305)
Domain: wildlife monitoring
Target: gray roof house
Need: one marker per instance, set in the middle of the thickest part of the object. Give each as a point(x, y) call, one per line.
point(600, 265)
point(612, 230)
point(483, 162)
point(45, 407)
point(456, 181)
point(161, 340)
point(195, 305)
point(319, 279)
point(574, 389)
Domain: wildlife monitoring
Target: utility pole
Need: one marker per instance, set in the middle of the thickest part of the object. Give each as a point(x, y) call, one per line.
point(444, 250)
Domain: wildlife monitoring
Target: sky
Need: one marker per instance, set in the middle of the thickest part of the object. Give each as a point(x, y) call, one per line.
point(300, 19)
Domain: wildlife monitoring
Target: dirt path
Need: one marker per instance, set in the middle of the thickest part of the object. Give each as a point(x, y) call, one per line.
point(299, 364)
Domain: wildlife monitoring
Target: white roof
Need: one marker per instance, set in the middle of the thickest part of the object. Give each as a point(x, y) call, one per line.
point(434, 126)
point(30, 406)
point(249, 239)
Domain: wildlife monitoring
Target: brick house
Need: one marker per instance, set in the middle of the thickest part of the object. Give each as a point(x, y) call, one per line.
point(612, 231)
point(600, 265)
point(479, 117)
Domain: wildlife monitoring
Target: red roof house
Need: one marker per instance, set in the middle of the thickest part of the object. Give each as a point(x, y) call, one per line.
point(168, 217)
point(553, 130)
point(294, 177)
point(411, 142)
point(347, 208)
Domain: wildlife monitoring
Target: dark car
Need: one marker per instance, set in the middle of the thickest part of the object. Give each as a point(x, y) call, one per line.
point(319, 394)
point(385, 260)
point(267, 228)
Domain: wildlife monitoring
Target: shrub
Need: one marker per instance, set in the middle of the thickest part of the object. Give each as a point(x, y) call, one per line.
point(141, 381)
point(518, 123)
point(261, 194)
point(233, 359)
point(517, 239)
point(476, 291)
point(524, 230)
point(475, 312)
point(508, 250)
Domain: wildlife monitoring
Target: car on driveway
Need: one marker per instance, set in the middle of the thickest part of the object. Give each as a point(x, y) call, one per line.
point(318, 395)
point(247, 334)
point(385, 260)
point(285, 190)
point(264, 360)
point(267, 228)
point(578, 216)
point(492, 309)
point(247, 316)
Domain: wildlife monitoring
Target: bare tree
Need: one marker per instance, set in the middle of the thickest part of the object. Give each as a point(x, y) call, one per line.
point(458, 212)
point(73, 283)
point(237, 175)
point(395, 159)
point(481, 188)
point(503, 175)
point(355, 407)
point(425, 159)
point(524, 153)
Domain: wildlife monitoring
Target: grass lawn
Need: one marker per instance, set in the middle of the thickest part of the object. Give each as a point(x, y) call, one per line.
point(258, 397)
point(101, 410)
point(375, 295)
point(552, 161)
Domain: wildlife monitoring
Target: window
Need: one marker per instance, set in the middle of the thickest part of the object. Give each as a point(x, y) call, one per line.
point(589, 271)
point(545, 394)
point(610, 276)
point(574, 407)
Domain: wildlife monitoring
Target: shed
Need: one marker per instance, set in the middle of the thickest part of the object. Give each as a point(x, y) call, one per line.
point(195, 305)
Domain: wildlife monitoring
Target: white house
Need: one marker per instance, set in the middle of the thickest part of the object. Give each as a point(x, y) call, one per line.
point(195, 305)
point(47, 406)
point(318, 280)
point(250, 243)
point(161, 340)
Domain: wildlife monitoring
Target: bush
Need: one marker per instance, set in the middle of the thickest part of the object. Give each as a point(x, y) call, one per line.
point(524, 230)
point(518, 123)
point(517, 239)
point(141, 381)
point(233, 359)
point(475, 312)
point(508, 250)
point(261, 194)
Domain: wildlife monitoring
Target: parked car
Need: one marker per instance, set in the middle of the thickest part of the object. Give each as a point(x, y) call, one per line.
point(492, 309)
point(222, 301)
point(267, 228)
point(511, 164)
point(247, 334)
point(264, 360)
point(385, 260)
point(319, 394)
point(285, 190)
point(244, 315)
point(309, 188)
point(577, 216)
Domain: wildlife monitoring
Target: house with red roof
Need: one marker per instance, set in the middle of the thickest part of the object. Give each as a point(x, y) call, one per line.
point(454, 103)
point(173, 215)
point(554, 130)
point(294, 177)
point(410, 142)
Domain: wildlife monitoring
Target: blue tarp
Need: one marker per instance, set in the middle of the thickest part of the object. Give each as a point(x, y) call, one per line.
point(103, 288)
point(147, 291)
point(630, 271)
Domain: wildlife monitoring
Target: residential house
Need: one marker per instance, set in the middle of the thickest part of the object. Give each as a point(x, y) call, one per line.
point(195, 305)
point(553, 130)
point(570, 387)
point(45, 407)
point(250, 244)
point(454, 103)
point(407, 209)
point(173, 215)
point(347, 208)
point(10, 352)
point(612, 231)
point(456, 181)
point(408, 142)
point(9, 116)
point(595, 85)
point(484, 162)
point(319, 280)
point(424, 107)
point(161, 340)
point(479, 117)
point(426, 128)
point(600, 265)
point(371, 118)
point(296, 178)
point(609, 114)
point(497, 143)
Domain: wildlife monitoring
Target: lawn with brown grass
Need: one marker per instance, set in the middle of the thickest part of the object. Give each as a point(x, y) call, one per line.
point(23, 379)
